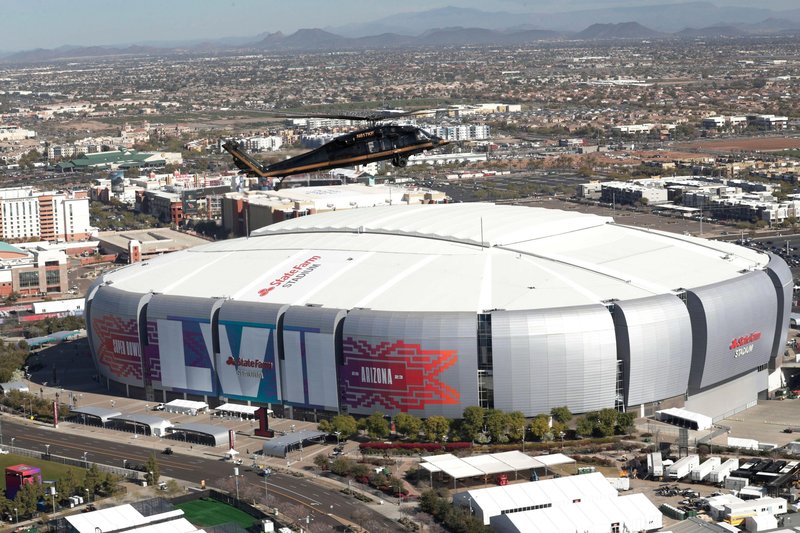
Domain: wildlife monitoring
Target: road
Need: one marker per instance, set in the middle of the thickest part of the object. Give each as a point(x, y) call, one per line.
point(323, 504)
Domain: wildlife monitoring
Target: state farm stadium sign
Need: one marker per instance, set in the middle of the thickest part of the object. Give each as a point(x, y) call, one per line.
point(744, 345)
point(293, 275)
point(249, 367)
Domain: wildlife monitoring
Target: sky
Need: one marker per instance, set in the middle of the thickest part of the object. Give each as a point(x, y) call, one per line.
point(30, 24)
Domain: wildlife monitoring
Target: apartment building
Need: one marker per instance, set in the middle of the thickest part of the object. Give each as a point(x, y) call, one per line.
point(26, 214)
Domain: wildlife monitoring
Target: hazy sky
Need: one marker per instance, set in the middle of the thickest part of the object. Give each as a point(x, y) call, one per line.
point(29, 24)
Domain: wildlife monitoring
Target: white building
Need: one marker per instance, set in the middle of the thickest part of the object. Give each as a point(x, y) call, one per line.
point(15, 133)
point(464, 132)
point(53, 216)
point(261, 143)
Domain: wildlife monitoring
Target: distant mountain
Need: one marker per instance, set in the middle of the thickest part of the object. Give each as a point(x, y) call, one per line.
point(668, 17)
point(66, 52)
point(414, 23)
point(711, 32)
point(771, 25)
point(623, 30)
point(664, 17)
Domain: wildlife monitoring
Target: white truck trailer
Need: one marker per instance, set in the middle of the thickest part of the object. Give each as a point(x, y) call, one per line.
point(681, 468)
point(721, 473)
point(702, 471)
point(655, 467)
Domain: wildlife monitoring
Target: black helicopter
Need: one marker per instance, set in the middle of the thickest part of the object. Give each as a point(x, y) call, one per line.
point(377, 143)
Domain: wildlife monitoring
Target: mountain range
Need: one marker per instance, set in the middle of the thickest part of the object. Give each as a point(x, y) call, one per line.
point(456, 26)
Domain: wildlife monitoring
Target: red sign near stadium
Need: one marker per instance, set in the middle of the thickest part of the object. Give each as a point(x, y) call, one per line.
point(396, 375)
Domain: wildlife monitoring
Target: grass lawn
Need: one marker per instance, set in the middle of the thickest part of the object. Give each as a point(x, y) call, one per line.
point(50, 470)
point(205, 513)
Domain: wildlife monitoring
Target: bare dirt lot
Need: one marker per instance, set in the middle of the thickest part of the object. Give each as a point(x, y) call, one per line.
point(764, 144)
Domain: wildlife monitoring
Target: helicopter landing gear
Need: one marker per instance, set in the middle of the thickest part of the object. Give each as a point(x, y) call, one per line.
point(399, 161)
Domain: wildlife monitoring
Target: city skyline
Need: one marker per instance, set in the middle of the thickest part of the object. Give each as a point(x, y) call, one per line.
point(51, 24)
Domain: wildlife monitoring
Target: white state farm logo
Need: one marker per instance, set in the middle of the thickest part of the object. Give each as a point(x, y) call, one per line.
point(292, 276)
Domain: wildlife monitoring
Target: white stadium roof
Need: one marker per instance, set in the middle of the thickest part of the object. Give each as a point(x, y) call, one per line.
point(452, 257)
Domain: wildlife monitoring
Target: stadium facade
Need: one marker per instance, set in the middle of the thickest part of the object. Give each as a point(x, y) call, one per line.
point(430, 309)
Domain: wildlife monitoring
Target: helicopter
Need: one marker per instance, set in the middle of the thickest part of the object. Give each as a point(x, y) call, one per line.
point(379, 142)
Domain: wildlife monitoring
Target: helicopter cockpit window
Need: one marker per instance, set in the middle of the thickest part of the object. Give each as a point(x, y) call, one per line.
point(422, 136)
point(371, 148)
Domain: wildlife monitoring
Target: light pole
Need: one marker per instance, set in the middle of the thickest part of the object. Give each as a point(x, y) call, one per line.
point(88, 496)
point(12, 441)
point(267, 472)
point(523, 439)
point(337, 433)
point(16, 513)
point(84, 459)
point(47, 450)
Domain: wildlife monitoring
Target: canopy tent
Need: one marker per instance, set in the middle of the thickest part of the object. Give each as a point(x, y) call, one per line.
point(208, 434)
point(685, 419)
point(94, 415)
point(236, 409)
point(489, 464)
point(280, 446)
point(187, 407)
point(149, 424)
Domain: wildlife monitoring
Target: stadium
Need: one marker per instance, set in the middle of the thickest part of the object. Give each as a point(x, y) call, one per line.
point(428, 309)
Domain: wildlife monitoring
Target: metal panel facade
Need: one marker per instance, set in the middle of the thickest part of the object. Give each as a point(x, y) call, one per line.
point(247, 366)
point(781, 276)
point(308, 368)
point(733, 327)
point(554, 357)
point(420, 363)
point(179, 346)
point(654, 342)
point(114, 334)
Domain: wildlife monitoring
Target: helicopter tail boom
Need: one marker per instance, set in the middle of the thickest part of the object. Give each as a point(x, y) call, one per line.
point(242, 159)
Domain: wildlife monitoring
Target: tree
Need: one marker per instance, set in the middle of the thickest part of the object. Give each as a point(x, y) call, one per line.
point(93, 479)
point(377, 426)
point(27, 497)
point(516, 422)
point(436, 428)
point(325, 425)
point(497, 425)
point(321, 462)
point(606, 421)
point(624, 422)
point(561, 414)
point(67, 484)
point(584, 426)
point(539, 426)
point(472, 423)
point(153, 472)
point(408, 425)
point(346, 425)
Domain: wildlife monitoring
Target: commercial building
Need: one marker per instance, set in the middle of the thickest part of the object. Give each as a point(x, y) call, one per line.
point(244, 212)
point(27, 214)
point(428, 309)
point(32, 272)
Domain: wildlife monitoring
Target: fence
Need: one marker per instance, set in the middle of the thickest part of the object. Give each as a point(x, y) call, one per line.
point(128, 473)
